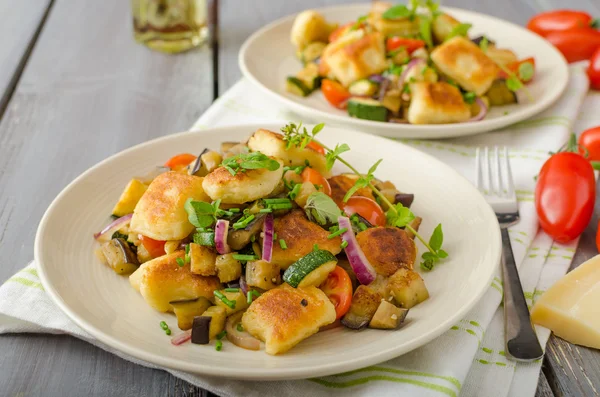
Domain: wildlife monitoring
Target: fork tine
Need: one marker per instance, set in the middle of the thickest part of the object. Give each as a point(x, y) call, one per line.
point(501, 187)
point(488, 164)
point(511, 187)
point(479, 170)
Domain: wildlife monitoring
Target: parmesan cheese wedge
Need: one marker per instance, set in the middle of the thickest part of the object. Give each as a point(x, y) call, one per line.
point(571, 307)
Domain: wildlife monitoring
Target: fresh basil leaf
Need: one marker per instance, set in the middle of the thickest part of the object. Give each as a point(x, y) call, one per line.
point(425, 30)
point(397, 11)
point(321, 209)
point(514, 84)
point(525, 71)
point(462, 29)
point(437, 238)
point(200, 213)
point(317, 128)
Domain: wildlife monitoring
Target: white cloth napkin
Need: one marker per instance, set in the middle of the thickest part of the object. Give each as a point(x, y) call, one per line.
point(468, 359)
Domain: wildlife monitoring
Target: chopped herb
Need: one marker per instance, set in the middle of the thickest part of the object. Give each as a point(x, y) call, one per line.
point(395, 69)
point(321, 209)
point(363, 181)
point(331, 156)
point(462, 29)
point(315, 247)
point(298, 136)
point(180, 262)
point(425, 30)
point(282, 206)
point(234, 210)
point(483, 44)
point(118, 234)
point(242, 223)
point(218, 345)
point(359, 22)
point(362, 226)
point(344, 244)
point(398, 11)
point(232, 290)
point(295, 191)
point(249, 161)
point(219, 295)
point(240, 257)
point(250, 294)
point(239, 327)
point(265, 210)
point(282, 244)
point(164, 325)
point(525, 71)
point(187, 249)
point(469, 97)
point(337, 233)
point(221, 335)
point(253, 238)
point(168, 331)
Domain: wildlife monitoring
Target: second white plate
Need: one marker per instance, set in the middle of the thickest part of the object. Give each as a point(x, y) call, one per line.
point(268, 57)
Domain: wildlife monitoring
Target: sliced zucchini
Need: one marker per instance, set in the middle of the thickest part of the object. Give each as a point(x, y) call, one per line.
point(310, 76)
point(295, 86)
point(133, 192)
point(187, 310)
point(499, 94)
point(367, 109)
point(312, 52)
point(306, 271)
point(363, 87)
point(392, 100)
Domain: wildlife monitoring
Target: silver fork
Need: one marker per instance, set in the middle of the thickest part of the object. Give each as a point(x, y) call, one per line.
point(521, 341)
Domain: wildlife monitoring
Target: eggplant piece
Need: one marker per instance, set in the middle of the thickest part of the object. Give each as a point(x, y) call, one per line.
point(408, 288)
point(406, 199)
point(208, 161)
point(228, 268)
point(344, 264)
point(119, 256)
point(477, 40)
point(388, 316)
point(415, 223)
point(200, 330)
point(365, 302)
point(193, 168)
point(239, 238)
point(499, 94)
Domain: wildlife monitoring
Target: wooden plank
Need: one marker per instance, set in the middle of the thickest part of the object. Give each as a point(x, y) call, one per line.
point(21, 23)
point(543, 388)
point(88, 91)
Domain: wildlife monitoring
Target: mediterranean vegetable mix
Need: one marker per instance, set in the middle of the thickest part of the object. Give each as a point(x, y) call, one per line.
point(259, 241)
point(405, 64)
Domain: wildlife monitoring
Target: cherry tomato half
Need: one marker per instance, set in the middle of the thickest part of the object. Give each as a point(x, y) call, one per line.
point(564, 195)
point(590, 139)
point(576, 44)
point(313, 176)
point(179, 161)
point(593, 70)
point(316, 147)
point(155, 248)
point(367, 208)
point(335, 93)
point(411, 45)
point(557, 20)
point(338, 288)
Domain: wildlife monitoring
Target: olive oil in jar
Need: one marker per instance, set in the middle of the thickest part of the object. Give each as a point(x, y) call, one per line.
point(170, 25)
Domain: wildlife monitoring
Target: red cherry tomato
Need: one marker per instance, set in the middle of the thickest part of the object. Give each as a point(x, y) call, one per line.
point(155, 248)
point(335, 93)
point(590, 139)
point(411, 45)
point(316, 147)
point(313, 176)
point(593, 70)
point(564, 195)
point(338, 288)
point(514, 67)
point(367, 208)
point(598, 237)
point(557, 20)
point(576, 44)
point(176, 163)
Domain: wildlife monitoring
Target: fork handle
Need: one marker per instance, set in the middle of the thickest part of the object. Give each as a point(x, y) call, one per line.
point(521, 341)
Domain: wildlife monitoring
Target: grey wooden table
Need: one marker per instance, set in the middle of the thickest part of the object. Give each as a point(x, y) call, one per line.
point(75, 89)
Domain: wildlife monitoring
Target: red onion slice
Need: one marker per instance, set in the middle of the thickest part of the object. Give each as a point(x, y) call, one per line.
point(414, 62)
point(243, 285)
point(182, 338)
point(240, 338)
point(383, 87)
point(377, 78)
point(221, 229)
point(267, 248)
point(112, 227)
point(483, 109)
point(365, 273)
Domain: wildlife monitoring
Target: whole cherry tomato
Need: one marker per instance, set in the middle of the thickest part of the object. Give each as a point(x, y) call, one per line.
point(338, 288)
point(335, 93)
point(593, 70)
point(179, 161)
point(590, 139)
point(411, 45)
point(367, 208)
point(564, 195)
point(598, 237)
point(551, 21)
point(313, 176)
point(155, 248)
point(576, 44)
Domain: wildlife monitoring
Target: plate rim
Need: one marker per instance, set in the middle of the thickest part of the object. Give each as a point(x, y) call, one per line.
point(258, 373)
point(449, 130)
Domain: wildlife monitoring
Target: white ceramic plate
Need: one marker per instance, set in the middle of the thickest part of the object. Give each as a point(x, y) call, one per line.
point(106, 306)
point(268, 57)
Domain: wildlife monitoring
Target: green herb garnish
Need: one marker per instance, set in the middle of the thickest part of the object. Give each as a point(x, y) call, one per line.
point(240, 257)
point(249, 161)
point(425, 30)
point(218, 345)
point(363, 181)
point(331, 156)
point(164, 325)
point(232, 290)
point(321, 209)
point(483, 44)
point(337, 233)
point(239, 327)
point(462, 29)
point(298, 136)
point(525, 71)
point(118, 234)
point(221, 335)
point(282, 244)
point(180, 262)
point(397, 11)
point(469, 97)
point(344, 244)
